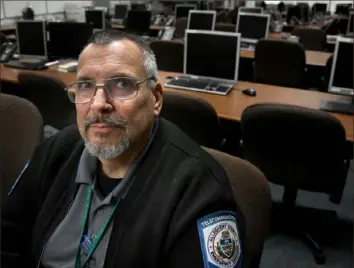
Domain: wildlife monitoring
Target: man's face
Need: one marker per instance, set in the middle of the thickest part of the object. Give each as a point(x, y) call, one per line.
point(107, 125)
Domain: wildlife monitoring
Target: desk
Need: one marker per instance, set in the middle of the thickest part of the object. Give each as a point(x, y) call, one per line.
point(228, 107)
point(152, 27)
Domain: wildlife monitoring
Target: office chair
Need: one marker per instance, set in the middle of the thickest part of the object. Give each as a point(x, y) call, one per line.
point(252, 194)
point(169, 55)
point(311, 39)
point(23, 131)
point(222, 16)
point(298, 148)
point(195, 117)
point(48, 94)
point(280, 62)
point(225, 27)
point(336, 26)
point(180, 27)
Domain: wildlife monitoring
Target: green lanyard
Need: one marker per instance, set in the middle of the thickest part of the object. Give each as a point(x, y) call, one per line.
point(100, 234)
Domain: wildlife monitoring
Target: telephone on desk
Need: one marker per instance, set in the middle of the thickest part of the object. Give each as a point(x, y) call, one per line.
point(7, 51)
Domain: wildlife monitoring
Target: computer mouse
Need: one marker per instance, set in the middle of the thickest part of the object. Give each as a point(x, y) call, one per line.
point(250, 92)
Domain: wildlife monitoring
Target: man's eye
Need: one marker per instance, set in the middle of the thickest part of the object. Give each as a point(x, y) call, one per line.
point(84, 85)
point(123, 83)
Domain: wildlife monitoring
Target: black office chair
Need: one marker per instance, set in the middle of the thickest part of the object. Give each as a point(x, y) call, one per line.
point(169, 55)
point(298, 148)
point(180, 27)
point(225, 27)
point(311, 39)
point(280, 62)
point(195, 117)
point(48, 94)
point(336, 26)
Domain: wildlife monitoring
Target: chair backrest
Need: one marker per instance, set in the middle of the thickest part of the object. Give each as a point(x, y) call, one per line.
point(294, 146)
point(48, 94)
point(280, 62)
point(169, 55)
point(194, 116)
point(180, 27)
point(23, 130)
point(252, 194)
point(311, 39)
point(225, 27)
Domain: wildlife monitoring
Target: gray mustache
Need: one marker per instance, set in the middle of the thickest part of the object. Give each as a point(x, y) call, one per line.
point(115, 122)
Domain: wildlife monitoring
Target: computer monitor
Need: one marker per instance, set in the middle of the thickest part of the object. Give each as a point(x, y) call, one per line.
point(252, 27)
point(67, 39)
point(183, 10)
point(319, 8)
point(350, 23)
point(341, 78)
point(251, 10)
point(201, 20)
point(138, 21)
point(140, 7)
point(120, 11)
point(32, 39)
point(96, 18)
point(212, 54)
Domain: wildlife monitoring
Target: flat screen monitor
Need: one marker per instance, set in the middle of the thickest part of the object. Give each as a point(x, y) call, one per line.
point(342, 67)
point(96, 18)
point(32, 39)
point(138, 21)
point(120, 11)
point(252, 27)
point(212, 54)
point(67, 39)
point(201, 20)
point(251, 10)
point(350, 23)
point(183, 10)
point(319, 8)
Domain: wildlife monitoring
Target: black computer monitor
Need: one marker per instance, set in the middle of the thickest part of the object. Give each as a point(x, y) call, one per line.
point(183, 10)
point(212, 54)
point(343, 9)
point(138, 22)
point(319, 8)
point(252, 27)
point(350, 24)
point(342, 67)
point(257, 10)
point(120, 11)
point(201, 20)
point(67, 39)
point(141, 7)
point(96, 18)
point(32, 39)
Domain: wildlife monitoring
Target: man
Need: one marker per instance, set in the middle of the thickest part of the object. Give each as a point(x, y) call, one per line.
point(124, 188)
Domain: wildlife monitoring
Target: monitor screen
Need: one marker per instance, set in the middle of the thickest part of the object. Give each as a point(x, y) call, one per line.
point(67, 39)
point(138, 21)
point(342, 68)
point(218, 59)
point(251, 10)
point(120, 11)
point(95, 18)
point(319, 8)
point(350, 24)
point(201, 20)
point(253, 26)
point(183, 10)
point(31, 38)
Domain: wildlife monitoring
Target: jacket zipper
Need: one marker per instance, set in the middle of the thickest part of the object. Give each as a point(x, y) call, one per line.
point(45, 245)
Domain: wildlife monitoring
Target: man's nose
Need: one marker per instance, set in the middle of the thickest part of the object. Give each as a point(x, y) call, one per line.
point(100, 100)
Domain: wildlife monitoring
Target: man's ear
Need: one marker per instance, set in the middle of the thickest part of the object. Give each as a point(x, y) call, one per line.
point(158, 95)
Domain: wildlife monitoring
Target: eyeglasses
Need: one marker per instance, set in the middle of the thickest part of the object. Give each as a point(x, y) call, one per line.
point(118, 88)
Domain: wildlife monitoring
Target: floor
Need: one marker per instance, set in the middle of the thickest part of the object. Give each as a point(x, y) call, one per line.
point(285, 251)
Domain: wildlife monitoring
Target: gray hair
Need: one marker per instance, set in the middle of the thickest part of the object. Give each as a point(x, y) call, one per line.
point(108, 36)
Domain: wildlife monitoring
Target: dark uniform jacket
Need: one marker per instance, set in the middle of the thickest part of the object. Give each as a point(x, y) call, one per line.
point(155, 225)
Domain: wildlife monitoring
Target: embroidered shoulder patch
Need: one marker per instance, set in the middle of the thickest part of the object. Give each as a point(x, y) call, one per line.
point(219, 240)
point(19, 178)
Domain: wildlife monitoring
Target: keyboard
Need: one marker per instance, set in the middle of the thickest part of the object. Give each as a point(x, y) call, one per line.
point(247, 46)
point(200, 84)
point(26, 65)
point(342, 107)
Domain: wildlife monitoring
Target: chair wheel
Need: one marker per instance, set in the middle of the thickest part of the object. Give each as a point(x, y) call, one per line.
point(320, 258)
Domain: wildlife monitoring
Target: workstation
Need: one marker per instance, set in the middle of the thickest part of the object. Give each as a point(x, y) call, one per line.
point(231, 64)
